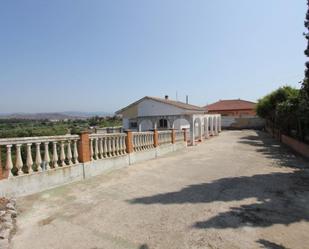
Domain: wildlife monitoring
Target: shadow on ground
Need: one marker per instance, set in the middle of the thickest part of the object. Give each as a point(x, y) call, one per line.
point(270, 245)
point(282, 198)
point(273, 149)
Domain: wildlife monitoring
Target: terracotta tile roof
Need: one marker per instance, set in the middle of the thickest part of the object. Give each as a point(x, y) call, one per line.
point(169, 102)
point(232, 104)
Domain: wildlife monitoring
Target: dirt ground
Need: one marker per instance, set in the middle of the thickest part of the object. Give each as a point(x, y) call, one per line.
point(239, 190)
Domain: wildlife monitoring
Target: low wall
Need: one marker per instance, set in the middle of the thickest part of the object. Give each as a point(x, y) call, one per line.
point(246, 122)
point(297, 146)
point(37, 182)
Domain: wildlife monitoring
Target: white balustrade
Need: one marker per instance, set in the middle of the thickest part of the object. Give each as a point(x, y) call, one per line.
point(142, 141)
point(23, 150)
point(164, 137)
point(107, 145)
point(179, 136)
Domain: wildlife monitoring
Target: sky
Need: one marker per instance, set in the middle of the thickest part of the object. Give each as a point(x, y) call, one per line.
point(101, 55)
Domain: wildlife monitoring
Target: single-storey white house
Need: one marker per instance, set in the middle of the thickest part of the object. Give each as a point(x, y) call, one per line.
point(150, 113)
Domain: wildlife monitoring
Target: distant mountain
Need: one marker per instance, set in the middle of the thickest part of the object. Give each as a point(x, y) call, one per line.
point(54, 115)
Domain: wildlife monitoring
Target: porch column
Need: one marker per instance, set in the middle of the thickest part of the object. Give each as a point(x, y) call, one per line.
point(220, 127)
point(216, 125)
point(139, 127)
point(206, 127)
point(192, 135)
point(211, 126)
point(201, 131)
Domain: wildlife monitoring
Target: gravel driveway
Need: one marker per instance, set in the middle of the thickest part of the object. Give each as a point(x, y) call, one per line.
point(238, 190)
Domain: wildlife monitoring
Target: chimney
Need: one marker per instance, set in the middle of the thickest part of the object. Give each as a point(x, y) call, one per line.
point(187, 99)
point(166, 97)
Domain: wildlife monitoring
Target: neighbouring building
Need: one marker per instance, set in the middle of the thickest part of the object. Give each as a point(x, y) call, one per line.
point(163, 113)
point(236, 114)
point(233, 107)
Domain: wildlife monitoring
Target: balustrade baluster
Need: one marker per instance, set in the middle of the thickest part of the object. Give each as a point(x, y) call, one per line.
point(19, 162)
point(120, 145)
point(38, 158)
point(109, 146)
point(62, 154)
point(9, 163)
point(123, 146)
point(149, 141)
point(101, 147)
point(104, 148)
point(69, 152)
point(140, 142)
point(75, 151)
point(55, 155)
point(113, 146)
point(134, 142)
point(137, 142)
point(143, 141)
point(29, 161)
point(91, 149)
point(96, 149)
point(46, 156)
point(116, 145)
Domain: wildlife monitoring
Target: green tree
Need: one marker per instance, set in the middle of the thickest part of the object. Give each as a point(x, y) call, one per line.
point(281, 107)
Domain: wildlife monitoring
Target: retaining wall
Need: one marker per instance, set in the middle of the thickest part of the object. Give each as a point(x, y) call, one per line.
point(245, 122)
point(40, 181)
point(297, 146)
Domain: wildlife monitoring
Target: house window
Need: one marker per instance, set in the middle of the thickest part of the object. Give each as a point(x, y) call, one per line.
point(133, 124)
point(163, 123)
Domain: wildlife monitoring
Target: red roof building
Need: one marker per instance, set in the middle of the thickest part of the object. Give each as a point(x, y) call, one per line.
point(233, 107)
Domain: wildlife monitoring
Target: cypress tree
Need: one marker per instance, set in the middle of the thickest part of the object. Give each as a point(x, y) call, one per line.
point(304, 93)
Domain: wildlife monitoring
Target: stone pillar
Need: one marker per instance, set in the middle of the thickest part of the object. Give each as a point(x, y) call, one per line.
point(173, 136)
point(84, 147)
point(155, 138)
point(129, 142)
point(220, 124)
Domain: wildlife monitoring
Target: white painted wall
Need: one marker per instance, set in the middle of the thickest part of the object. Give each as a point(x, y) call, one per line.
point(181, 124)
point(150, 107)
point(146, 125)
point(125, 123)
